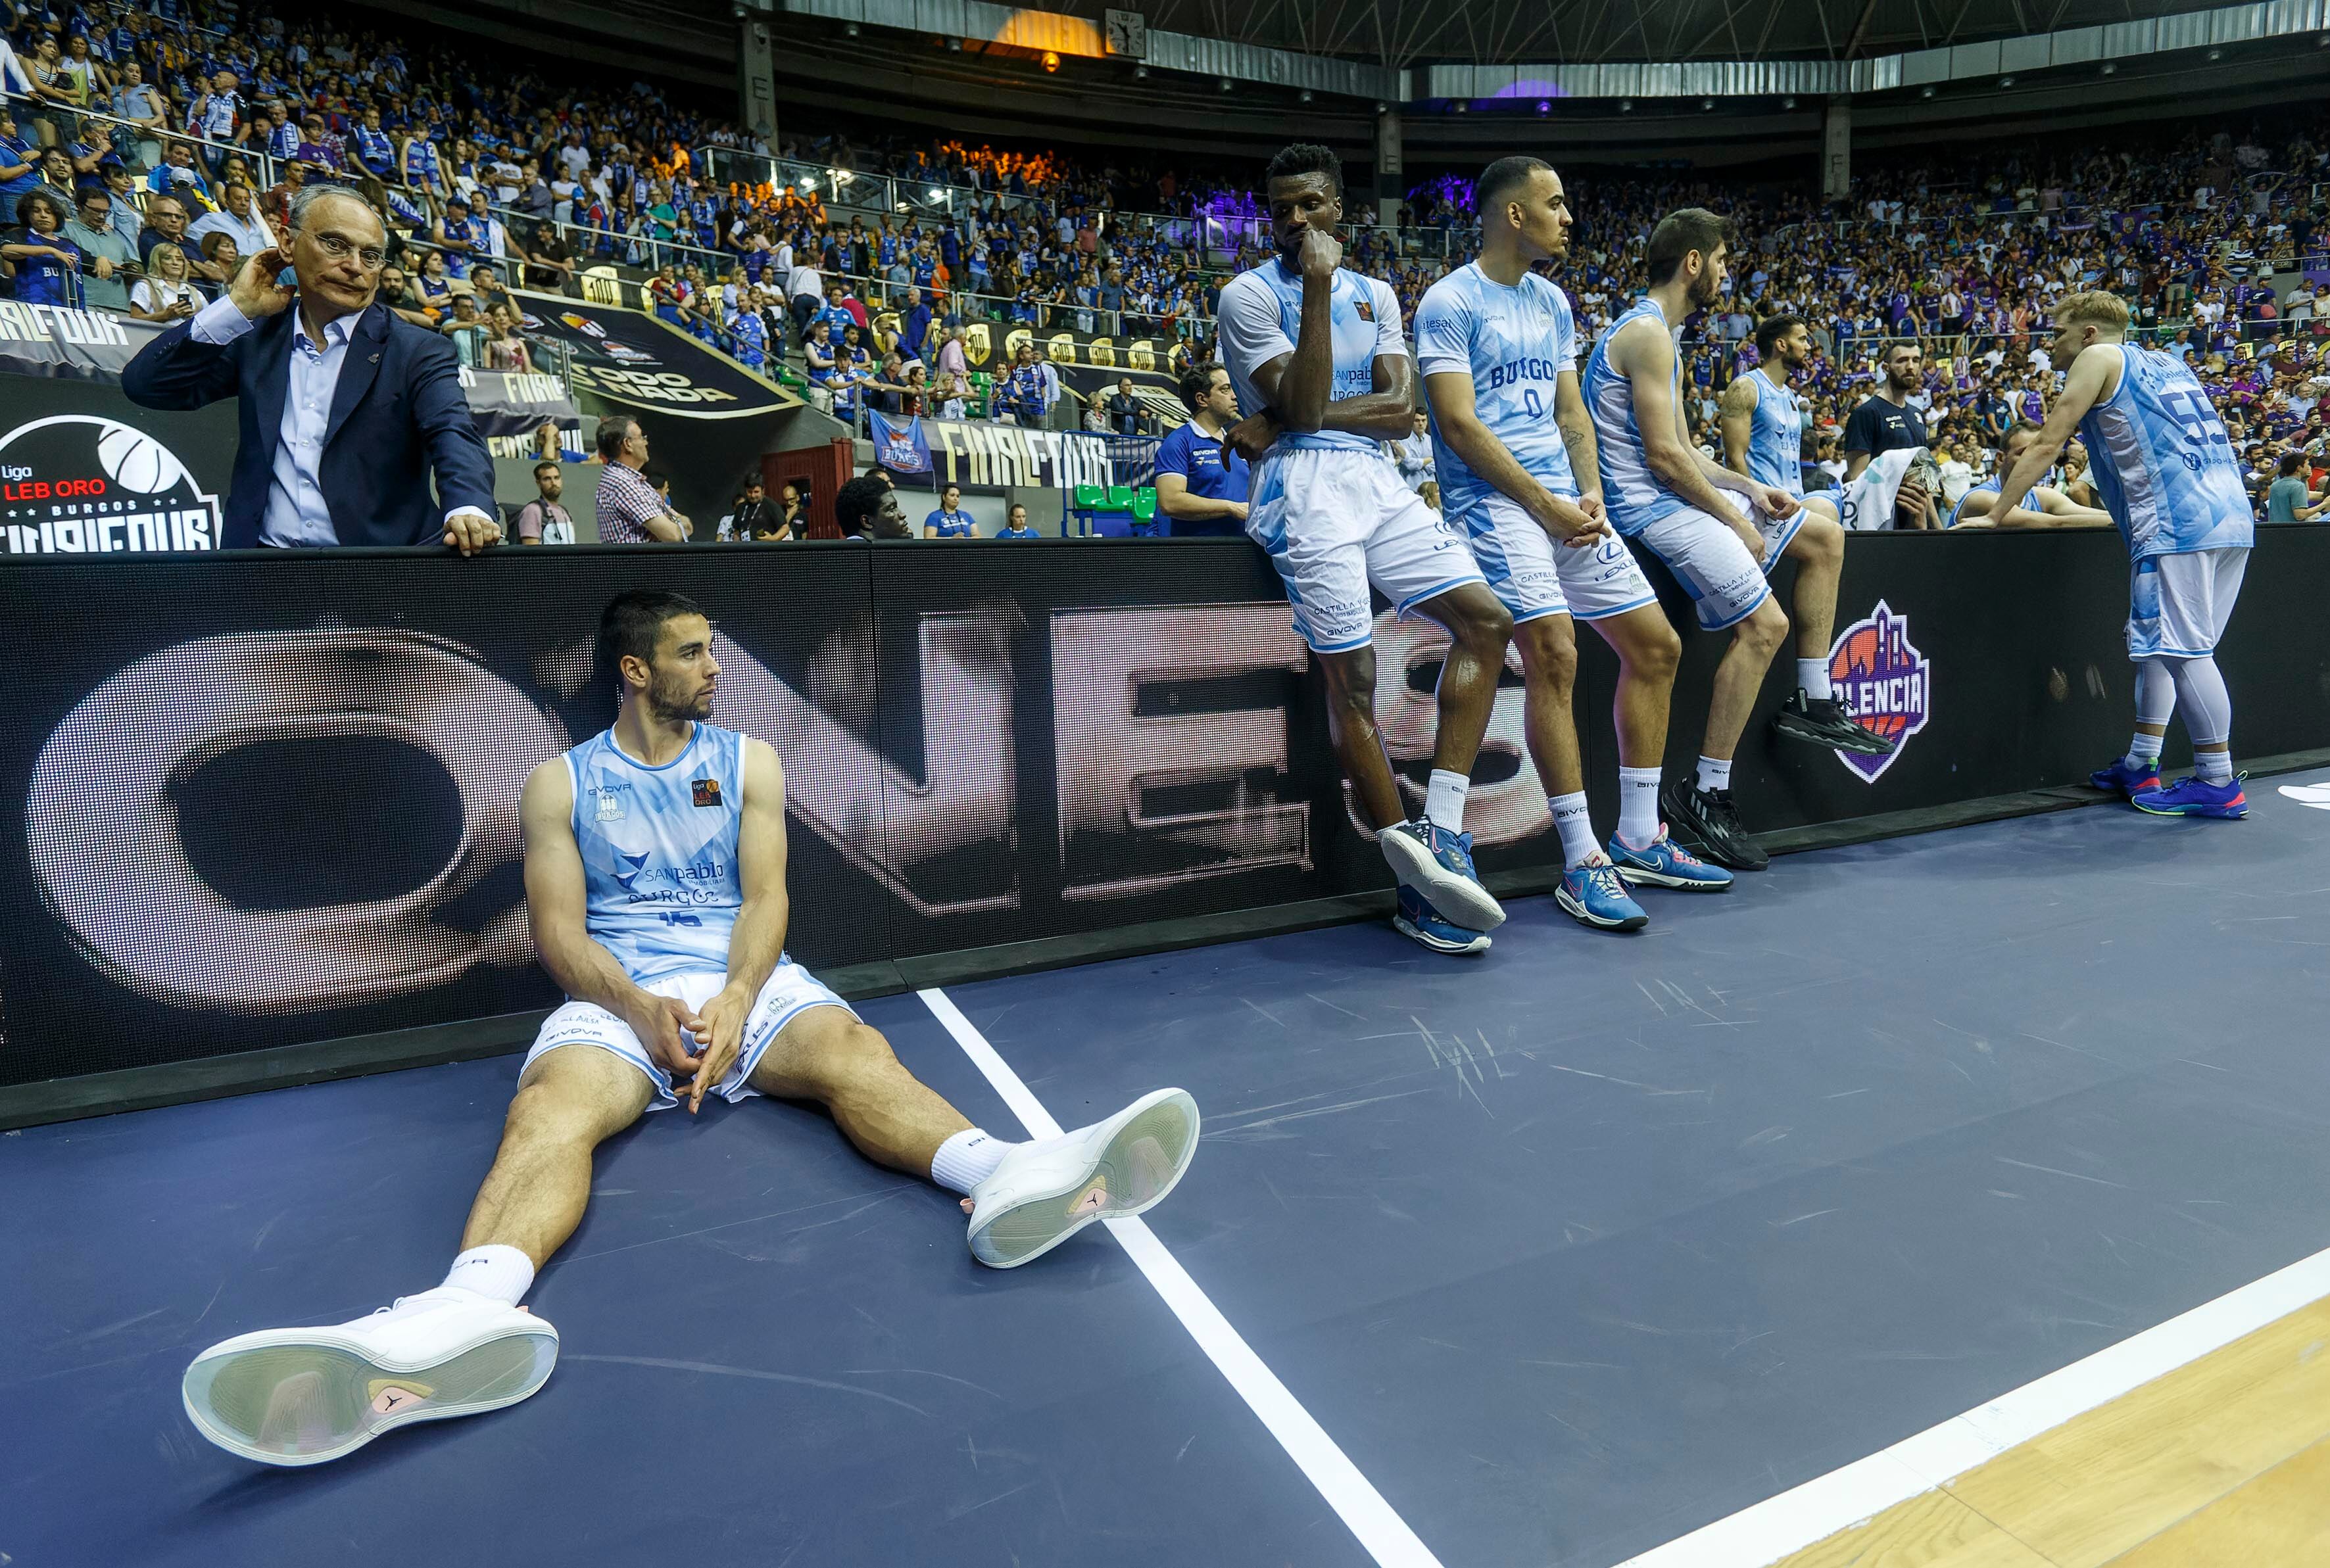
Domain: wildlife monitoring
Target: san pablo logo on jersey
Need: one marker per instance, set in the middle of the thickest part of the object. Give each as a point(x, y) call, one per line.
point(1883, 681)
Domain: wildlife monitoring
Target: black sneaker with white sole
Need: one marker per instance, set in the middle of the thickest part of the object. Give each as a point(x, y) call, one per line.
point(1708, 816)
point(1823, 721)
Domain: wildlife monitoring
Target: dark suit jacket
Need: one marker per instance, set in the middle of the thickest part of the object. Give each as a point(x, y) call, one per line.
point(397, 414)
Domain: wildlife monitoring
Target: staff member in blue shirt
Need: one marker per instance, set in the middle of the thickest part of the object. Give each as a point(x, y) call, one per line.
point(1015, 525)
point(1195, 487)
point(949, 520)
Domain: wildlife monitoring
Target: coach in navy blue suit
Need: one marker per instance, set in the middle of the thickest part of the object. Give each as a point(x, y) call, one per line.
point(347, 408)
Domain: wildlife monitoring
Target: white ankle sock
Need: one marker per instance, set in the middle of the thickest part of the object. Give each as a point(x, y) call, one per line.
point(2214, 767)
point(967, 1159)
point(503, 1273)
point(2142, 748)
point(1811, 679)
point(1715, 772)
point(1638, 805)
point(1576, 826)
point(1444, 800)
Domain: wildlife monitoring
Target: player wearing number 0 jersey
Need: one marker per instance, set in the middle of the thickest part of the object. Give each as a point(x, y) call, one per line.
point(2166, 470)
point(1719, 531)
point(655, 868)
point(1319, 366)
point(1497, 347)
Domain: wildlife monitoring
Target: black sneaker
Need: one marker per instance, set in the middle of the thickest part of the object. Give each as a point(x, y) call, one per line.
point(1708, 816)
point(1823, 721)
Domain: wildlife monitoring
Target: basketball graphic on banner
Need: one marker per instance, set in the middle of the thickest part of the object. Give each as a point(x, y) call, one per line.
point(84, 485)
point(137, 461)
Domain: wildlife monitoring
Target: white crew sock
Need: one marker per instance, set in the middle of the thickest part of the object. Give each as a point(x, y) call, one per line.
point(1576, 826)
point(2214, 767)
point(502, 1273)
point(967, 1159)
point(1811, 679)
point(2142, 748)
point(1444, 800)
point(1638, 805)
point(1715, 772)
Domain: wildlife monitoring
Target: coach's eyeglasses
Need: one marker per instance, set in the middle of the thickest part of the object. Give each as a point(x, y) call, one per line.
point(339, 249)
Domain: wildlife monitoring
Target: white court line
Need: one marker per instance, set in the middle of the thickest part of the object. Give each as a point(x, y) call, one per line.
point(1758, 1536)
point(1384, 1534)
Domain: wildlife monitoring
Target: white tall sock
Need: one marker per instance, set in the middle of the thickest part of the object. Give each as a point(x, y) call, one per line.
point(1571, 820)
point(967, 1159)
point(1811, 679)
point(1715, 772)
point(2214, 767)
point(503, 1273)
point(2144, 748)
point(1638, 805)
point(1444, 800)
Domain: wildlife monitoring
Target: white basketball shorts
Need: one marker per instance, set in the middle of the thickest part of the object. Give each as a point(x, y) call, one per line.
point(1713, 563)
point(2178, 605)
point(790, 990)
point(1534, 577)
point(1334, 520)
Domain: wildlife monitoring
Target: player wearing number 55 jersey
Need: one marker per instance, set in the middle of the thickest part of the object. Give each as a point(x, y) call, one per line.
point(2166, 470)
point(1497, 347)
point(654, 887)
point(1318, 364)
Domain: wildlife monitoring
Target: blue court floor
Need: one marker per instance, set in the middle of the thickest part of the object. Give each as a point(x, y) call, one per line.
point(1571, 1249)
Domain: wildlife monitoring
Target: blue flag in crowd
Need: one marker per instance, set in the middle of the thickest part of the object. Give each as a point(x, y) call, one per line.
point(900, 448)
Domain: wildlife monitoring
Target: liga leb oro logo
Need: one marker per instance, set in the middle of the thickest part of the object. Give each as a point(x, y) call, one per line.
point(84, 485)
point(1883, 681)
point(708, 791)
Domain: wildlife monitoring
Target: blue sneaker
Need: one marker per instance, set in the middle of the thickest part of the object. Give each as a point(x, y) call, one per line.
point(1666, 863)
point(1595, 895)
point(1438, 864)
point(2195, 797)
point(1419, 919)
point(2121, 779)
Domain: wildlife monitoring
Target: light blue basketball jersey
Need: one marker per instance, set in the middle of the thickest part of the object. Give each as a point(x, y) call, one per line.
point(1260, 318)
point(660, 885)
point(1988, 486)
point(2162, 462)
point(1632, 495)
point(1515, 343)
point(1775, 439)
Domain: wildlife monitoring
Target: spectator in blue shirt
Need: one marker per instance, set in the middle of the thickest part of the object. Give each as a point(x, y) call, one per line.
point(1195, 489)
point(949, 520)
point(1015, 525)
point(48, 265)
point(20, 166)
point(915, 325)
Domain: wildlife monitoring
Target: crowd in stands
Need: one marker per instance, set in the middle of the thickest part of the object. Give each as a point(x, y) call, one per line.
point(149, 149)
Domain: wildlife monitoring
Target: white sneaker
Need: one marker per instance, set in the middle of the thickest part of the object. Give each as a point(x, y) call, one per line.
point(1046, 1191)
point(300, 1396)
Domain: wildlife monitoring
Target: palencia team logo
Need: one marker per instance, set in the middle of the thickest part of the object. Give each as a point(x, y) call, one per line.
point(1883, 681)
point(84, 484)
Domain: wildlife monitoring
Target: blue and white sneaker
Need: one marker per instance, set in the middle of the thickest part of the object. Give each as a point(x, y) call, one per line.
point(2194, 797)
point(1416, 918)
point(1594, 894)
point(1666, 863)
point(1438, 864)
point(2123, 780)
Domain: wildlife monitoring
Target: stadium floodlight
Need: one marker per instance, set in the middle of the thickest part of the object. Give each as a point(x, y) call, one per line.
point(1228, 86)
point(1706, 103)
point(1928, 91)
point(1544, 106)
point(1051, 61)
point(1787, 103)
point(1141, 73)
point(1460, 107)
point(2006, 81)
point(1306, 96)
point(850, 31)
point(1625, 105)
point(1385, 108)
point(2215, 55)
point(954, 46)
point(2111, 68)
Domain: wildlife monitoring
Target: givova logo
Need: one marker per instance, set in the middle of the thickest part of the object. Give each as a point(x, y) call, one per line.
point(84, 484)
point(1883, 681)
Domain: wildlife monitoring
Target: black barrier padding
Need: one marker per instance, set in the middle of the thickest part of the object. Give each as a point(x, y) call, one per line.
point(254, 799)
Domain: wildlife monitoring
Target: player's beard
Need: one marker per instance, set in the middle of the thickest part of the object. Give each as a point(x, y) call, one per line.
point(676, 698)
point(1704, 291)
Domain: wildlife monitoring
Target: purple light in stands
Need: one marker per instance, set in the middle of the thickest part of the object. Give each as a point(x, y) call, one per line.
point(1532, 87)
